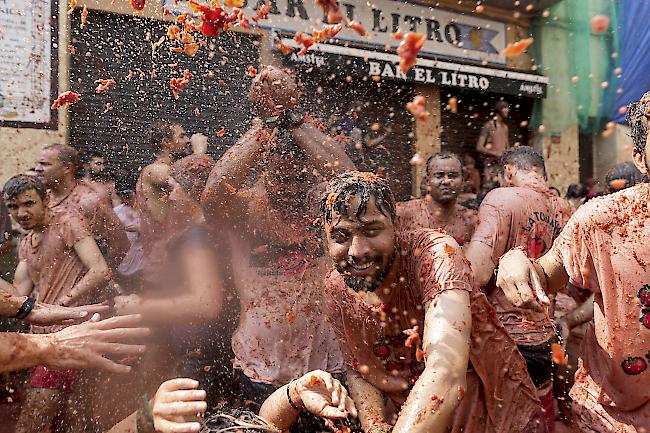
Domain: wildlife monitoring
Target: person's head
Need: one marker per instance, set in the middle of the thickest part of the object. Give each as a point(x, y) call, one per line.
point(94, 163)
point(358, 213)
point(25, 199)
point(555, 191)
point(519, 163)
point(621, 176)
point(444, 177)
point(469, 161)
point(502, 109)
point(188, 177)
point(272, 91)
point(169, 138)
point(637, 115)
point(57, 163)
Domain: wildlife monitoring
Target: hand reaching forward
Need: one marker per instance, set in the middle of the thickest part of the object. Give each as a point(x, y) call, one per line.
point(323, 395)
point(520, 281)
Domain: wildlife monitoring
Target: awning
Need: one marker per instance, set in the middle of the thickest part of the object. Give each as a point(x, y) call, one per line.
point(343, 61)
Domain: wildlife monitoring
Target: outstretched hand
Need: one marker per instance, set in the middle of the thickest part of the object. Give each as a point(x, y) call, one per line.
point(324, 396)
point(520, 281)
point(48, 314)
point(87, 344)
point(175, 404)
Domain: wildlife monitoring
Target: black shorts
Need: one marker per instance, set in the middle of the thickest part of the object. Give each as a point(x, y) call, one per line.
point(539, 362)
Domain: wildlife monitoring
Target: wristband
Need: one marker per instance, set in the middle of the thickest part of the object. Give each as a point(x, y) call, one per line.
point(25, 309)
point(293, 405)
point(144, 418)
point(291, 119)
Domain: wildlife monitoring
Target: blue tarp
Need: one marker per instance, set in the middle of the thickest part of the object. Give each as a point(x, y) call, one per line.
point(634, 16)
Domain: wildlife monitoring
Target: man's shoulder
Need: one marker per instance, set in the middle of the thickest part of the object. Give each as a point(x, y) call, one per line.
point(421, 242)
point(615, 210)
point(86, 197)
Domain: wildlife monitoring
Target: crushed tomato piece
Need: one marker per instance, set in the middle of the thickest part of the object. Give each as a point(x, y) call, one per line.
point(173, 32)
point(189, 49)
point(251, 71)
point(263, 12)
point(72, 5)
point(65, 99)
point(177, 85)
point(234, 3)
point(137, 5)
point(413, 337)
point(358, 27)
point(104, 85)
point(558, 354)
point(516, 48)
point(327, 32)
point(331, 9)
point(408, 50)
point(305, 40)
point(285, 49)
point(221, 132)
point(84, 17)
point(417, 108)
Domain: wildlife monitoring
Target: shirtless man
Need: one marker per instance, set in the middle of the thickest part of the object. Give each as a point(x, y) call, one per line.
point(439, 208)
point(94, 165)
point(56, 167)
point(526, 214)
point(603, 248)
point(60, 264)
point(387, 288)
point(277, 262)
point(158, 222)
point(494, 138)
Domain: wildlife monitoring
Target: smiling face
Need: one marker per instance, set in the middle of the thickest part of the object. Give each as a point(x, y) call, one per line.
point(362, 246)
point(27, 209)
point(444, 179)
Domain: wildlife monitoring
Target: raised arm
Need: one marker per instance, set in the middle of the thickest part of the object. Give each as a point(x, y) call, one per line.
point(230, 173)
point(97, 275)
point(327, 156)
point(433, 399)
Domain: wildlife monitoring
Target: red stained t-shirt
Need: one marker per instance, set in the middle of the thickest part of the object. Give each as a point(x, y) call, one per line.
point(54, 266)
point(500, 396)
point(604, 248)
point(417, 214)
point(521, 217)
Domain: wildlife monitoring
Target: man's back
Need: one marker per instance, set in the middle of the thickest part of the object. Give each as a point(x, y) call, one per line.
point(527, 217)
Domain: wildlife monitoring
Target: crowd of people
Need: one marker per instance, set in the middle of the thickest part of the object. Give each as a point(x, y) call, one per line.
point(280, 288)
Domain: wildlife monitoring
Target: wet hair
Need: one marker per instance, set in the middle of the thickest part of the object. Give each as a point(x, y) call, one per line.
point(524, 158)
point(236, 420)
point(22, 183)
point(65, 154)
point(444, 155)
point(576, 191)
point(637, 117)
point(500, 105)
point(192, 173)
point(342, 190)
point(158, 132)
point(627, 171)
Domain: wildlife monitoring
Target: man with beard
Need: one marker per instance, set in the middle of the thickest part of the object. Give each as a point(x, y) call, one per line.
point(603, 248)
point(439, 208)
point(94, 165)
point(158, 219)
point(60, 264)
point(525, 214)
point(277, 261)
point(56, 167)
point(386, 289)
